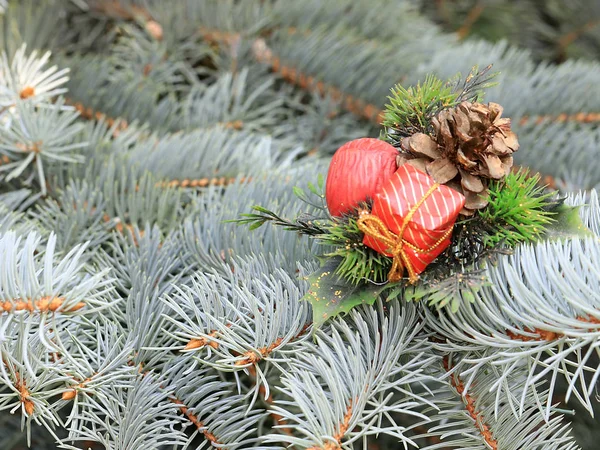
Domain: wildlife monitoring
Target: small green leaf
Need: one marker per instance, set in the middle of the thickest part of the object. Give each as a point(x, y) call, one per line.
point(468, 295)
point(298, 192)
point(321, 182)
point(451, 291)
point(567, 223)
point(331, 295)
point(261, 209)
point(256, 225)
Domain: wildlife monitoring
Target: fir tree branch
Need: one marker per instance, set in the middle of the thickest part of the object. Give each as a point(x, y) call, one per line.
point(368, 111)
point(193, 418)
point(116, 9)
point(470, 405)
point(263, 53)
point(20, 385)
point(470, 20)
point(471, 415)
point(308, 226)
point(117, 125)
point(358, 107)
point(42, 305)
point(203, 182)
point(573, 35)
point(582, 117)
point(342, 429)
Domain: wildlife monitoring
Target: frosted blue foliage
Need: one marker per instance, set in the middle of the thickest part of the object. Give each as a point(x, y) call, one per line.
point(566, 151)
point(211, 245)
point(193, 332)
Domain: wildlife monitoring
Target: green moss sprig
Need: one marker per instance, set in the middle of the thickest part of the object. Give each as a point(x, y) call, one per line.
point(410, 110)
point(519, 210)
point(359, 263)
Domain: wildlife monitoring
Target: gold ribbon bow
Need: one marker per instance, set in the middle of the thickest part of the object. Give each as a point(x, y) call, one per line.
point(374, 227)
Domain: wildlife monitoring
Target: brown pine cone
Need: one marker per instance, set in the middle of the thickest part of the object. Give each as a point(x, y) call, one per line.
point(472, 145)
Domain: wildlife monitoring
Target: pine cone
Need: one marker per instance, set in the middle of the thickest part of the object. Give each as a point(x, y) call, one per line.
point(472, 145)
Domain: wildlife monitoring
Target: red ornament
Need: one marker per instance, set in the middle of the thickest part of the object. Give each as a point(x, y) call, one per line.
point(411, 220)
point(358, 170)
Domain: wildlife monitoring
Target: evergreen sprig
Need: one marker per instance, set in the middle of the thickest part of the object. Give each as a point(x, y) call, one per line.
point(472, 88)
point(410, 109)
point(519, 210)
point(451, 291)
point(308, 225)
point(359, 263)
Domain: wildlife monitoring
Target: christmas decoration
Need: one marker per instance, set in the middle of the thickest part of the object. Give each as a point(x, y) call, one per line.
point(471, 144)
point(411, 221)
point(423, 212)
point(357, 171)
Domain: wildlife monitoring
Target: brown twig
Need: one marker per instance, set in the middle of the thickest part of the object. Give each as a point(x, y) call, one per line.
point(44, 304)
point(572, 36)
point(199, 424)
point(278, 419)
point(202, 182)
point(24, 395)
point(470, 20)
point(355, 105)
point(116, 10)
point(342, 430)
point(547, 335)
point(119, 226)
point(213, 440)
point(89, 114)
point(580, 117)
point(252, 357)
point(201, 342)
point(443, 12)
point(72, 392)
point(21, 387)
point(469, 401)
point(27, 92)
point(422, 429)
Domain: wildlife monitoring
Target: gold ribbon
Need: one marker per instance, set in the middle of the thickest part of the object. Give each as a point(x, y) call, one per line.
point(374, 227)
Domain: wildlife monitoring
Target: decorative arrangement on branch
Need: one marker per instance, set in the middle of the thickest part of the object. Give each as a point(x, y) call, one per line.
point(421, 210)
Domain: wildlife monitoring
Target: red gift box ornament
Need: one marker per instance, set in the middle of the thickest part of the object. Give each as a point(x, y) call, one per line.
point(411, 220)
point(357, 171)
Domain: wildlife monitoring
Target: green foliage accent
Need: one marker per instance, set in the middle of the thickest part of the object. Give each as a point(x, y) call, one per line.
point(450, 291)
point(304, 225)
point(410, 109)
point(308, 226)
point(567, 224)
point(317, 191)
point(473, 87)
point(518, 210)
point(358, 262)
point(330, 295)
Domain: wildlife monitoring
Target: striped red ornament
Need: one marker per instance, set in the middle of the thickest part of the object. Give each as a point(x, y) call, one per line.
point(431, 210)
point(357, 171)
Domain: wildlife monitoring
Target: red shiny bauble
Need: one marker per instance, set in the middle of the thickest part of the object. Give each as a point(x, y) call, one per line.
point(357, 171)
